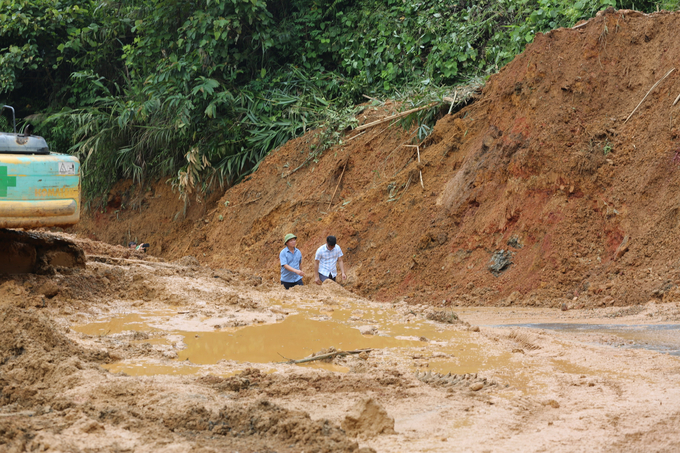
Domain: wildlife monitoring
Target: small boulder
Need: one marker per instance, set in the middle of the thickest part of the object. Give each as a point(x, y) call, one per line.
point(552, 403)
point(368, 330)
point(49, 289)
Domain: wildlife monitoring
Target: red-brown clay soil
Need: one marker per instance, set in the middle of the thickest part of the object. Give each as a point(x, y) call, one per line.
point(542, 166)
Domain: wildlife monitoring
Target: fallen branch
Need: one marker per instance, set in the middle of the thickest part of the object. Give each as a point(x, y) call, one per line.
point(287, 359)
point(390, 118)
point(402, 192)
point(358, 135)
point(187, 248)
point(377, 134)
point(327, 356)
point(336, 187)
point(243, 203)
point(419, 170)
point(373, 99)
point(251, 201)
point(309, 158)
point(453, 101)
point(650, 90)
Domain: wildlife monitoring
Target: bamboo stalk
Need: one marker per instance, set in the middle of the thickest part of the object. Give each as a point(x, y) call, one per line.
point(419, 170)
point(352, 138)
point(372, 99)
point(453, 101)
point(336, 187)
point(650, 90)
point(329, 355)
point(390, 118)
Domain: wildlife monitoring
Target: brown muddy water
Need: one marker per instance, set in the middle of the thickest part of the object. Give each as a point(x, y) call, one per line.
point(303, 332)
point(310, 329)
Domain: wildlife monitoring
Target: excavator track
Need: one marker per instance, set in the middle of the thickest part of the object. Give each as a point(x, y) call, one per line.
point(23, 252)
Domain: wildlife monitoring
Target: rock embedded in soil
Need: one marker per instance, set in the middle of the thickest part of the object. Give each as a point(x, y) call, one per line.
point(552, 403)
point(444, 316)
point(49, 289)
point(500, 261)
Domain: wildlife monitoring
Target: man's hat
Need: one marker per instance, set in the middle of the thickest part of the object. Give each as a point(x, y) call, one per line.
point(288, 237)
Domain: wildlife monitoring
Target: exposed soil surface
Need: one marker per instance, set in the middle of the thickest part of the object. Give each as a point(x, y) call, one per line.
point(543, 201)
point(542, 167)
point(139, 354)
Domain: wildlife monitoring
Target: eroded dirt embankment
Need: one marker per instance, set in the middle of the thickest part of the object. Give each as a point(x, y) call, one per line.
point(542, 171)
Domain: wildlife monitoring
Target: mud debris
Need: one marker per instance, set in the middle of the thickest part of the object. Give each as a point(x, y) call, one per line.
point(453, 380)
point(54, 361)
point(368, 419)
point(444, 316)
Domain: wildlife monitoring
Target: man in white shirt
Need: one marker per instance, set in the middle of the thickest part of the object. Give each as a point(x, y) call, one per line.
point(324, 262)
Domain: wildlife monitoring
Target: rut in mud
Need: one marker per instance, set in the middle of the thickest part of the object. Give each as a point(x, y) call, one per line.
point(542, 171)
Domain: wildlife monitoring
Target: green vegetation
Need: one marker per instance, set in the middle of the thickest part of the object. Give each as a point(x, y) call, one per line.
point(202, 90)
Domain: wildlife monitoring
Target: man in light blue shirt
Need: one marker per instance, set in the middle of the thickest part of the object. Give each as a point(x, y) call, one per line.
point(324, 261)
point(291, 263)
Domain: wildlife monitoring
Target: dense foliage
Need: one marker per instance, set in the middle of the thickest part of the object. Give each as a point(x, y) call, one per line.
point(204, 89)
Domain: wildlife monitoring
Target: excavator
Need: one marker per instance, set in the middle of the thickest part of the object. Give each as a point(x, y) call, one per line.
point(38, 189)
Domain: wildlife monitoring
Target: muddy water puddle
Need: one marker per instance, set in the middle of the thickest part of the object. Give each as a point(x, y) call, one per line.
point(295, 337)
point(664, 338)
point(307, 329)
point(136, 322)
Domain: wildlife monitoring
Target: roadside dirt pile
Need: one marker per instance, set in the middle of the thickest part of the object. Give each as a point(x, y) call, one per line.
point(33, 353)
point(368, 419)
point(544, 191)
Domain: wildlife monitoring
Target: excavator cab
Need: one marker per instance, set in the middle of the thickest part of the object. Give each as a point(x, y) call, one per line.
point(38, 188)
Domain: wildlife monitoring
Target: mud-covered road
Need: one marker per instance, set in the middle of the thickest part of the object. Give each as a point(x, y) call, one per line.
point(136, 354)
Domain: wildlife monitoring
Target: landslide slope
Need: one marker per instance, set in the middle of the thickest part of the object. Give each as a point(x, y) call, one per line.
point(542, 171)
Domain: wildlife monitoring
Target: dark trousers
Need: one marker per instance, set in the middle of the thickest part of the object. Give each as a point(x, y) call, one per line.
point(289, 285)
point(324, 277)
